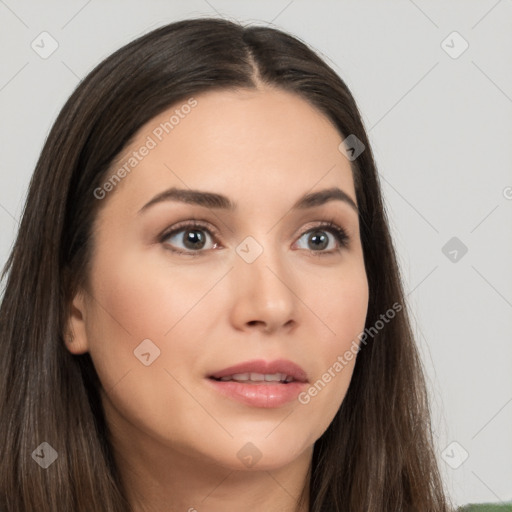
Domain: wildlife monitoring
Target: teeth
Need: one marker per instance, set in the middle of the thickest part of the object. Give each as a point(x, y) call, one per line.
point(258, 377)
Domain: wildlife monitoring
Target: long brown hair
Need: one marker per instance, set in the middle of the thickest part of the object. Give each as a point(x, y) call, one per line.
point(377, 454)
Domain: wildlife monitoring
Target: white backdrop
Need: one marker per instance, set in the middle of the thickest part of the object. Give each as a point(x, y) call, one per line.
point(434, 85)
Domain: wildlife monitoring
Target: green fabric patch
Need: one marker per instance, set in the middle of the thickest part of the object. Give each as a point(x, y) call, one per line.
point(486, 507)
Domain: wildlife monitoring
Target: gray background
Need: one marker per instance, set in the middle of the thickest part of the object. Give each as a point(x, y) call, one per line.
point(441, 130)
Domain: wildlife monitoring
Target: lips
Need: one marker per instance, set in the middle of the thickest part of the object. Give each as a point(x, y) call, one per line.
point(262, 384)
point(280, 370)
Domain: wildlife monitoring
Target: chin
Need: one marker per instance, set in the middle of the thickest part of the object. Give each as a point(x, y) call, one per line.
point(260, 454)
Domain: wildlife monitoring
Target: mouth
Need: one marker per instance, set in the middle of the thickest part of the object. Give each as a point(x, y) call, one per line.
point(260, 383)
point(280, 370)
point(257, 378)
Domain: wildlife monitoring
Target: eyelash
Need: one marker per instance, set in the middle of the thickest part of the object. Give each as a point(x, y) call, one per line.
point(339, 233)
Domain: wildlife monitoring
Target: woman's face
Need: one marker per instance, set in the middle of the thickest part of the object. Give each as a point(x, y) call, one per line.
point(265, 285)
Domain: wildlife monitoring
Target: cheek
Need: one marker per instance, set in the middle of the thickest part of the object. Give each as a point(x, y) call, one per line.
point(131, 307)
point(134, 302)
point(144, 300)
point(137, 301)
point(343, 306)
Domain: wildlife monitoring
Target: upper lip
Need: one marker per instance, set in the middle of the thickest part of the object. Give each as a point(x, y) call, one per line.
point(266, 367)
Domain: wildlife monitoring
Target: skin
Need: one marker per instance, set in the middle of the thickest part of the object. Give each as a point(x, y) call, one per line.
point(175, 438)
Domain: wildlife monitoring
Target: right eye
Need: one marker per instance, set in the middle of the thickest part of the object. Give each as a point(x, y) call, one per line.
point(193, 237)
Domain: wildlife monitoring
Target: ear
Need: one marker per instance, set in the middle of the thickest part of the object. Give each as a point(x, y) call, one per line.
point(75, 335)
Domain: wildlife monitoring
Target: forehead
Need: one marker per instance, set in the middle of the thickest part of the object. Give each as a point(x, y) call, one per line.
point(236, 142)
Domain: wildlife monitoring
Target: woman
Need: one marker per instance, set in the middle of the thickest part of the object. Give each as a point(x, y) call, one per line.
point(203, 308)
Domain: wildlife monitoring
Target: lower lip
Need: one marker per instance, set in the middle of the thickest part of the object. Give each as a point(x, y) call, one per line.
point(259, 395)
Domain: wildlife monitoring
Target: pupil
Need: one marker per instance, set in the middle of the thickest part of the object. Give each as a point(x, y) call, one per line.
point(319, 239)
point(193, 237)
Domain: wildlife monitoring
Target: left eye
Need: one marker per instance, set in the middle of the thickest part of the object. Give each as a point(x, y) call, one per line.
point(319, 241)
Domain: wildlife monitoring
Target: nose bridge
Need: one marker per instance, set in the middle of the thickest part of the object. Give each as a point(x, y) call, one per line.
point(263, 291)
point(262, 264)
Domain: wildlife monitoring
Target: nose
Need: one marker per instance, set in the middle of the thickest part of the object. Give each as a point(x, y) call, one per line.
point(263, 294)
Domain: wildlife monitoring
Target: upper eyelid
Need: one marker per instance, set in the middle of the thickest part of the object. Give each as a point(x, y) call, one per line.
point(180, 226)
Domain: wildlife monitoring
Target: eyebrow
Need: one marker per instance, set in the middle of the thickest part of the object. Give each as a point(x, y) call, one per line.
point(219, 201)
